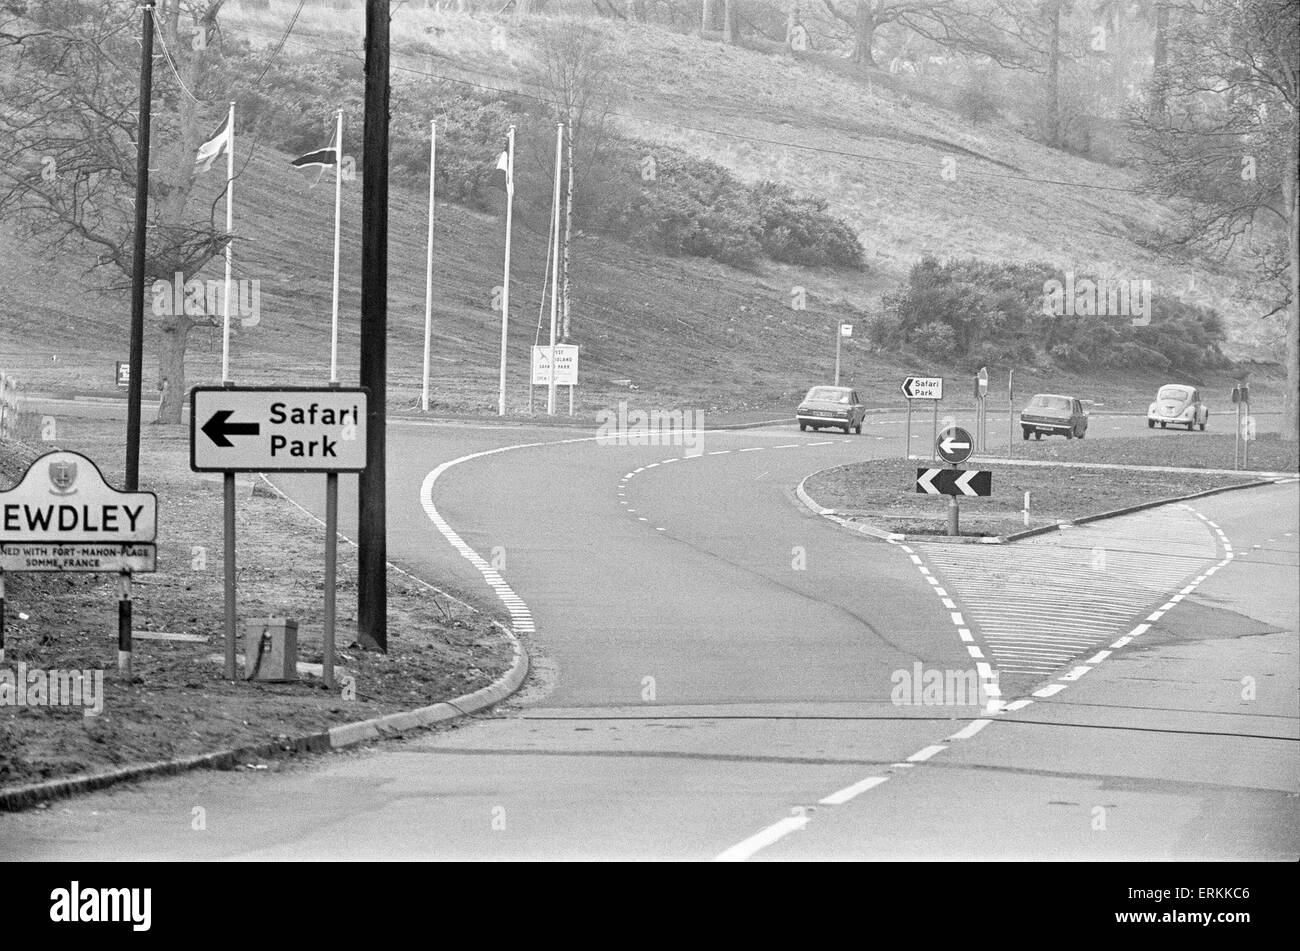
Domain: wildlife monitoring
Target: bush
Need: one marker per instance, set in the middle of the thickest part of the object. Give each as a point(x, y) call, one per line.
point(799, 231)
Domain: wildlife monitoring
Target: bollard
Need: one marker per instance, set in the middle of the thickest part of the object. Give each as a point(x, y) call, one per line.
point(1025, 513)
point(124, 623)
point(952, 515)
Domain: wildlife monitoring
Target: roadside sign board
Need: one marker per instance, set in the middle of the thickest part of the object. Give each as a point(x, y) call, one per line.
point(1248, 428)
point(923, 387)
point(982, 383)
point(566, 365)
point(123, 374)
point(976, 482)
point(80, 556)
point(63, 500)
point(846, 330)
point(955, 445)
point(278, 429)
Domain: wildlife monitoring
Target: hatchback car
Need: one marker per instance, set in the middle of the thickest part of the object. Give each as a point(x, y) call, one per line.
point(1055, 416)
point(1178, 404)
point(831, 406)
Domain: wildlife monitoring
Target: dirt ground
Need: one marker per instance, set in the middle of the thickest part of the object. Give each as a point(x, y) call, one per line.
point(882, 493)
point(177, 702)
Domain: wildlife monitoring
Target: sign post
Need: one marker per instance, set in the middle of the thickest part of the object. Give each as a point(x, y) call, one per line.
point(1011, 412)
point(981, 418)
point(62, 516)
point(846, 330)
point(922, 388)
point(287, 429)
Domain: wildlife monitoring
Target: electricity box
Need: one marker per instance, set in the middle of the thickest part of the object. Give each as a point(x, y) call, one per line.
point(271, 649)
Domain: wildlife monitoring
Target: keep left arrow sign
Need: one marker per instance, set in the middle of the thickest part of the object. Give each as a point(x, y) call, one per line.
point(219, 427)
point(963, 482)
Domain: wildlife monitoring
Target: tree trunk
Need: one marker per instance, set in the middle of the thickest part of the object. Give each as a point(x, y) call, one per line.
point(706, 20)
point(864, 34)
point(1291, 403)
point(1052, 99)
point(729, 24)
point(173, 339)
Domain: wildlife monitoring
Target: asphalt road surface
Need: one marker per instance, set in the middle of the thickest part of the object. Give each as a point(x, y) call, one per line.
point(719, 674)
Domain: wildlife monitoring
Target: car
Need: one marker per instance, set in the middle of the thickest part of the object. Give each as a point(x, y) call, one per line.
point(1054, 415)
point(1176, 403)
point(831, 406)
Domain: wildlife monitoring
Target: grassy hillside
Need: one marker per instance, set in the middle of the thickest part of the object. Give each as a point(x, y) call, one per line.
point(683, 331)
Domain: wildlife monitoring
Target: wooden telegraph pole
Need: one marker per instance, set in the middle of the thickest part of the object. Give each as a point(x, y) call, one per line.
point(372, 581)
point(136, 356)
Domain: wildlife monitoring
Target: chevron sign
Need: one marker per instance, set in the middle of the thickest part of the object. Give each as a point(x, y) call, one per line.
point(954, 481)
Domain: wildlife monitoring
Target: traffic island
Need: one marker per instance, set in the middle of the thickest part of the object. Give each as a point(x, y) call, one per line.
point(175, 708)
point(880, 498)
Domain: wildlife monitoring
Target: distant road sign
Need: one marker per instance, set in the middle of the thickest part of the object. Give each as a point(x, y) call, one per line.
point(566, 365)
point(846, 330)
point(982, 383)
point(1248, 428)
point(923, 387)
point(954, 481)
point(63, 499)
point(955, 445)
point(123, 374)
point(267, 429)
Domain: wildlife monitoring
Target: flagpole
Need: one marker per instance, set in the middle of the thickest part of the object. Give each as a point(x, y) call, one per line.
point(428, 267)
point(555, 264)
point(505, 287)
point(338, 216)
point(230, 228)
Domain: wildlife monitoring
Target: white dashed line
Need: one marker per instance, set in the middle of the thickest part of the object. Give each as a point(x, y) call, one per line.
point(849, 792)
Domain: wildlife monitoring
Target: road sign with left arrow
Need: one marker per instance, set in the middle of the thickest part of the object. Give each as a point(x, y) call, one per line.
point(954, 481)
point(260, 429)
point(955, 445)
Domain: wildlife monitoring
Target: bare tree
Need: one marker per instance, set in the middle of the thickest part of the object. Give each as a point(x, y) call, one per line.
point(67, 145)
point(867, 16)
point(1223, 137)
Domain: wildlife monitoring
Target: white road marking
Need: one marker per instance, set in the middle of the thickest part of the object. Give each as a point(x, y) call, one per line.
point(970, 730)
point(1050, 690)
point(920, 756)
point(761, 840)
point(849, 792)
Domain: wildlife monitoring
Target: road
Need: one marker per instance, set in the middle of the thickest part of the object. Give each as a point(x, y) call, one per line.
point(718, 675)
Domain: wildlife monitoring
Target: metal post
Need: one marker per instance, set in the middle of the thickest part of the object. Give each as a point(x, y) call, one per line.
point(907, 451)
point(228, 479)
point(505, 283)
point(331, 573)
point(1236, 440)
point(1026, 512)
point(124, 623)
point(338, 223)
point(2, 617)
point(837, 355)
point(1011, 413)
point(555, 266)
point(934, 434)
point(570, 399)
point(952, 515)
point(230, 232)
point(136, 357)
point(1245, 441)
point(428, 268)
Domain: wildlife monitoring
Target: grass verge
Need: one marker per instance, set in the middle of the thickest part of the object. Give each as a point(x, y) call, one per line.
point(882, 493)
point(178, 702)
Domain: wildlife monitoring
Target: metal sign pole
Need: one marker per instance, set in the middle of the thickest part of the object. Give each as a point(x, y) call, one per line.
point(1011, 413)
point(907, 450)
point(952, 515)
point(2, 617)
point(124, 622)
point(837, 354)
point(228, 479)
point(934, 435)
point(1245, 441)
point(1236, 439)
point(331, 573)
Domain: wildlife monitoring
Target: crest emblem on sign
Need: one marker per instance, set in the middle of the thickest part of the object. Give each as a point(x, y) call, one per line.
point(62, 477)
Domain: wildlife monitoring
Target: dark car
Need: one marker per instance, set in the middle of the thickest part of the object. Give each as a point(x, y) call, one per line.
point(831, 406)
point(1055, 416)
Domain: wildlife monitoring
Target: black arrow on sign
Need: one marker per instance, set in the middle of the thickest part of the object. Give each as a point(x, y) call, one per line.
point(219, 427)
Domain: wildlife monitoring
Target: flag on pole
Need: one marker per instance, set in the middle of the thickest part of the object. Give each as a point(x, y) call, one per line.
point(216, 144)
point(313, 164)
point(503, 165)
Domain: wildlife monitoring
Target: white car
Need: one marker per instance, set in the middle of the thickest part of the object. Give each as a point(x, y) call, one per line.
point(1180, 405)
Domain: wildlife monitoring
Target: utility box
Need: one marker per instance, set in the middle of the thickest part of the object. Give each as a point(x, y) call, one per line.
point(271, 649)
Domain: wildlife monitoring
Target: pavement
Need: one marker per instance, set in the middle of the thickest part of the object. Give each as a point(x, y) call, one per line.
point(719, 673)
